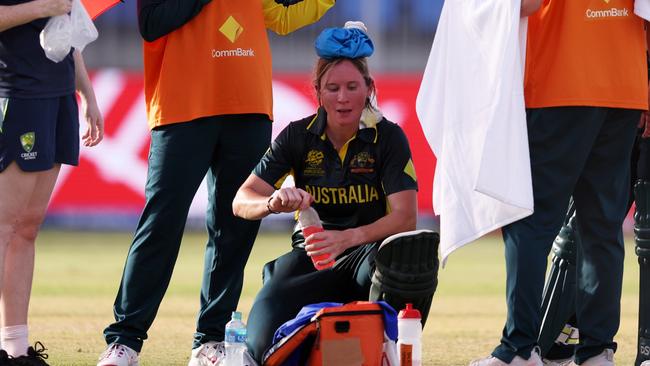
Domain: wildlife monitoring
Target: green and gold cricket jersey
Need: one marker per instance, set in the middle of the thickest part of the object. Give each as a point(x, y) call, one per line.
point(349, 186)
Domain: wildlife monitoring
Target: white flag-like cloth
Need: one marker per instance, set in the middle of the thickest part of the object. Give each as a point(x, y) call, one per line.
point(471, 108)
point(642, 9)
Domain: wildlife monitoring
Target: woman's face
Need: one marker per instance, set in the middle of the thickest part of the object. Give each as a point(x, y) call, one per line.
point(343, 94)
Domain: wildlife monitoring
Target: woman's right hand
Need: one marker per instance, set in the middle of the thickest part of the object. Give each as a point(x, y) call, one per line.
point(50, 8)
point(290, 199)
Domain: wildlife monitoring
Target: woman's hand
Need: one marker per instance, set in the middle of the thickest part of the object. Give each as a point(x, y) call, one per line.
point(94, 124)
point(290, 199)
point(332, 242)
point(94, 121)
point(50, 8)
point(644, 123)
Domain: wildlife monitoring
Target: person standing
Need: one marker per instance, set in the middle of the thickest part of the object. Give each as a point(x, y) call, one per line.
point(39, 131)
point(207, 75)
point(585, 88)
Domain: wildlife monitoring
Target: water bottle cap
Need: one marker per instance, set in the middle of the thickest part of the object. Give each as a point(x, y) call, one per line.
point(409, 313)
point(236, 315)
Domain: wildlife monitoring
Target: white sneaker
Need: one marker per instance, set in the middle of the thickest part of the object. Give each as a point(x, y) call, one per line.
point(208, 354)
point(534, 360)
point(606, 358)
point(118, 355)
point(645, 363)
point(563, 362)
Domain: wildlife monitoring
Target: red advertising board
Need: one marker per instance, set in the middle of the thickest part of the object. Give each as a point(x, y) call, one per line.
point(111, 177)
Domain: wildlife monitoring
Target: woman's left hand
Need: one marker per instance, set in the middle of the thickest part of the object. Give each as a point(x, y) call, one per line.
point(95, 124)
point(645, 124)
point(332, 242)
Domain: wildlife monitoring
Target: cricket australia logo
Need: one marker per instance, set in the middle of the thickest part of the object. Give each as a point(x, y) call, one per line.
point(363, 162)
point(28, 140)
point(314, 164)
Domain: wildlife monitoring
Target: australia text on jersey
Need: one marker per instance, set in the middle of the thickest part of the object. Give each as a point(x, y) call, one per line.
point(356, 193)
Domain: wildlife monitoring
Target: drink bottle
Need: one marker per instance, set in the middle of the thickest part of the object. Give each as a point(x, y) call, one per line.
point(409, 336)
point(310, 224)
point(235, 340)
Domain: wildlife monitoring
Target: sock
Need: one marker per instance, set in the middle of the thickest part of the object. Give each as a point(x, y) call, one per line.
point(14, 340)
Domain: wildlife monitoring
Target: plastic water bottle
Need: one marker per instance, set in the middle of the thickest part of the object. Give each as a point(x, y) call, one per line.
point(235, 340)
point(409, 336)
point(310, 224)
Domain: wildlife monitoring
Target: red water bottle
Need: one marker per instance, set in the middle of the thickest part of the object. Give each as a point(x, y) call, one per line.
point(310, 224)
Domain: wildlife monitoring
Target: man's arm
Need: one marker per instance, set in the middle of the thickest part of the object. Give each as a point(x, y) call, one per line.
point(285, 16)
point(157, 18)
point(15, 15)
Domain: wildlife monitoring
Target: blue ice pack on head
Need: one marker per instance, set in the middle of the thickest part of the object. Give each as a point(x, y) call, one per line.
point(343, 42)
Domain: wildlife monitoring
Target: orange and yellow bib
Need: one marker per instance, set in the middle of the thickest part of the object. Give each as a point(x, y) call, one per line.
point(586, 53)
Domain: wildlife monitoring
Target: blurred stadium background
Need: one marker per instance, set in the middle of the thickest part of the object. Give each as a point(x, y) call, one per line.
point(106, 191)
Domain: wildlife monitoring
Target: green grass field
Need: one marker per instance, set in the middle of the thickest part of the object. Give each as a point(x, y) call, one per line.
point(77, 274)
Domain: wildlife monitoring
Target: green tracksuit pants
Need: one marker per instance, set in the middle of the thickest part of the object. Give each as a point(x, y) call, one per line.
point(582, 152)
point(227, 148)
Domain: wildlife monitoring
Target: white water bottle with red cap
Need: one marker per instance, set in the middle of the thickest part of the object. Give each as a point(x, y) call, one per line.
point(310, 224)
point(409, 336)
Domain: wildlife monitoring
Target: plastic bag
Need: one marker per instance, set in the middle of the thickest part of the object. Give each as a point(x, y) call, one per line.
point(63, 32)
point(84, 30)
point(55, 37)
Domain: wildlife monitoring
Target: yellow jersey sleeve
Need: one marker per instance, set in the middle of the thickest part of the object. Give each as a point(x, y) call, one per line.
point(286, 19)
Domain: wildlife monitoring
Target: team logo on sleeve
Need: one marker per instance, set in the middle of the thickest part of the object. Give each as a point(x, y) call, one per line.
point(314, 164)
point(363, 162)
point(27, 140)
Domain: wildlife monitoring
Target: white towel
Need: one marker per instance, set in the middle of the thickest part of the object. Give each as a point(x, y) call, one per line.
point(471, 107)
point(642, 9)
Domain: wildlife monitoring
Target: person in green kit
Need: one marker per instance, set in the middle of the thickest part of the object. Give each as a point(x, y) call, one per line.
point(351, 165)
point(207, 76)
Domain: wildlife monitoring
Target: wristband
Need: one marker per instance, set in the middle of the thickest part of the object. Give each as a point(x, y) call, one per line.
point(268, 206)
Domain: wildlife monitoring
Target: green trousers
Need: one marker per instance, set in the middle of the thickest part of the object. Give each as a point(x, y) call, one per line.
point(227, 148)
point(582, 152)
